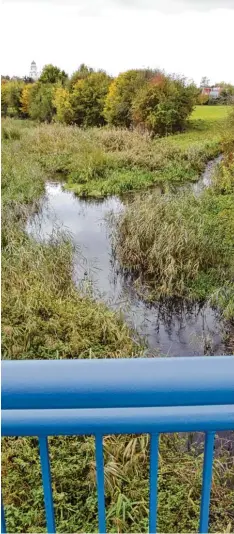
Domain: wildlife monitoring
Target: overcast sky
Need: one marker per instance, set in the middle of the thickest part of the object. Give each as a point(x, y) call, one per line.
point(189, 37)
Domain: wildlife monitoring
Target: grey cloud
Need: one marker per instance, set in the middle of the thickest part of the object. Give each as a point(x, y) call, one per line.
point(87, 7)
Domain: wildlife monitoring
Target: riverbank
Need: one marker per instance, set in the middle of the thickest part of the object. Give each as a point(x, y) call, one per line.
point(43, 313)
point(98, 162)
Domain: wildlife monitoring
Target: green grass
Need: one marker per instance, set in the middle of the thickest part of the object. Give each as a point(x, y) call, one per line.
point(210, 113)
point(100, 162)
point(44, 316)
point(182, 245)
point(126, 481)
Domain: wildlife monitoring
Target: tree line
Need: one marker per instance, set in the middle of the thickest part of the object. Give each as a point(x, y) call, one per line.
point(144, 98)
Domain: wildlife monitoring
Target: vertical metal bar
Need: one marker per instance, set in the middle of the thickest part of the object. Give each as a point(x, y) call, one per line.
point(207, 481)
point(3, 523)
point(46, 479)
point(154, 438)
point(100, 485)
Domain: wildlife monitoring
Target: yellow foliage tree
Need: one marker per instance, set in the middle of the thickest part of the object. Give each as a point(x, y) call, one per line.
point(62, 104)
point(25, 98)
point(11, 95)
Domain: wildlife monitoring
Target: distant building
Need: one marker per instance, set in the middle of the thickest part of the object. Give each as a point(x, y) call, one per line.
point(33, 73)
point(211, 92)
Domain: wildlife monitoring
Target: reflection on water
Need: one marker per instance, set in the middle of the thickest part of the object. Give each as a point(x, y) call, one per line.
point(170, 327)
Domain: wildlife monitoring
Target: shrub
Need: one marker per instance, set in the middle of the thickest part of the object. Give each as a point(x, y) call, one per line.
point(163, 105)
point(202, 99)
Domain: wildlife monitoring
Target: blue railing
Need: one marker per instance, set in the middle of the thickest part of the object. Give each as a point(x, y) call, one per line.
point(125, 396)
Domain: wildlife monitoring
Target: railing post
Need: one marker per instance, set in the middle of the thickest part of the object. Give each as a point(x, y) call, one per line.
point(154, 439)
point(100, 484)
point(46, 479)
point(3, 523)
point(206, 482)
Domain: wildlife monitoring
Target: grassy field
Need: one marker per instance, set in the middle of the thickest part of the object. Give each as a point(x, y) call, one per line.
point(210, 113)
point(44, 316)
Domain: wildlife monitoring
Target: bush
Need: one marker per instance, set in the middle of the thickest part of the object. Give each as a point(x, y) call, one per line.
point(163, 105)
point(202, 99)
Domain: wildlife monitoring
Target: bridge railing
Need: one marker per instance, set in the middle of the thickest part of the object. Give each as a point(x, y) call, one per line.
point(125, 396)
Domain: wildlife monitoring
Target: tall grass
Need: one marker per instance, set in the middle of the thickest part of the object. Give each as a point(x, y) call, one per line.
point(99, 162)
point(179, 245)
point(182, 245)
point(126, 483)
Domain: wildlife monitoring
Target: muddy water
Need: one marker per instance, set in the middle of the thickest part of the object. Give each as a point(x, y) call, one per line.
point(171, 327)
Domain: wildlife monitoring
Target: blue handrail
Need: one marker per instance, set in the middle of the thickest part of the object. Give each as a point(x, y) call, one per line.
point(99, 397)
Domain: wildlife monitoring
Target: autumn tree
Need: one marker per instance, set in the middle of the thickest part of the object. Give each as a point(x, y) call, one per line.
point(88, 99)
point(4, 103)
point(62, 104)
point(11, 98)
point(82, 72)
point(122, 91)
point(25, 98)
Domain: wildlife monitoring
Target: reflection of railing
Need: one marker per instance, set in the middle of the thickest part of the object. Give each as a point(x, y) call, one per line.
point(125, 396)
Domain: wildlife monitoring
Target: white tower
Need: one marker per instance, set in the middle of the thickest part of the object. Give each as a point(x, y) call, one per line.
point(33, 71)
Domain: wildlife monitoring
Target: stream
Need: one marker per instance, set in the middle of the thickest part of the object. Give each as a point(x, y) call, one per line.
point(170, 327)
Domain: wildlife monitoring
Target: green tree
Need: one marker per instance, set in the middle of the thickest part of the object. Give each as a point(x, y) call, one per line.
point(205, 82)
point(52, 74)
point(163, 104)
point(122, 91)
point(88, 99)
point(41, 105)
point(226, 93)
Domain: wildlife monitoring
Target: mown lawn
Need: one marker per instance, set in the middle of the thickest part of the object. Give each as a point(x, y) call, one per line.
point(210, 113)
